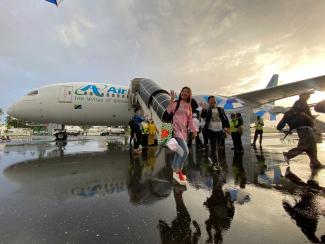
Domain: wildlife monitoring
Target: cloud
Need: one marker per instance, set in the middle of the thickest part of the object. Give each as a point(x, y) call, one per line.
point(219, 46)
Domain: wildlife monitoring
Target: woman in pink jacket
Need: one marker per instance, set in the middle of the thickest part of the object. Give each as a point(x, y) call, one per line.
point(182, 121)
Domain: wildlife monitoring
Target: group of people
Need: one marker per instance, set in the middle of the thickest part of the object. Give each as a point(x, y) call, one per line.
point(215, 126)
point(143, 131)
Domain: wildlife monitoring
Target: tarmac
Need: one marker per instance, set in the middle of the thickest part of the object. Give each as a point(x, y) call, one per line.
point(94, 190)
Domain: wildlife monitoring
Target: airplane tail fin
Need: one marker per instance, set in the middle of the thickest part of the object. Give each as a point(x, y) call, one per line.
point(274, 81)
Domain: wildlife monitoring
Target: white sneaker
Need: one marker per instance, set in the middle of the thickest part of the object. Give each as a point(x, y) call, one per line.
point(178, 180)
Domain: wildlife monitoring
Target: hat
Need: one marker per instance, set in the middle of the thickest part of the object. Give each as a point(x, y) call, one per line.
point(306, 91)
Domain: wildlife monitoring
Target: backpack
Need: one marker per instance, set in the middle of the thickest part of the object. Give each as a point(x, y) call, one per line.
point(294, 120)
point(168, 118)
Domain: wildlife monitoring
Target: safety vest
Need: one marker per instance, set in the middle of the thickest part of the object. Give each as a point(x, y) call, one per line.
point(259, 124)
point(233, 124)
point(144, 126)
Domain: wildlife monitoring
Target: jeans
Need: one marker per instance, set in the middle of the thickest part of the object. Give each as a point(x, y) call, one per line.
point(178, 161)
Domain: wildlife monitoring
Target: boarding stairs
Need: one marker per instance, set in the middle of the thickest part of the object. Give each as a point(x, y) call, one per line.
point(152, 99)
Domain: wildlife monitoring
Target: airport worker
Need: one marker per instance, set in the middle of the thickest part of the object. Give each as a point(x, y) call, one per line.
point(182, 122)
point(216, 123)
point(152, 132)
point(233, 128)
point(198, 142)
point(259, 123)
point(239, 132)
point(145, 133)
point(304, 122)
point(138, 119)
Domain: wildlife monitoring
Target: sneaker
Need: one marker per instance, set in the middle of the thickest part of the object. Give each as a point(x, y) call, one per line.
point(182, 176)
point(285, 156)
point(178, 179)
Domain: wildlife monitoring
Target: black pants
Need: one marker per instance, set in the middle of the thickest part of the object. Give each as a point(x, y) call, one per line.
point(197, 140)
point(236, 138)
point(138, 139)
point(215, 138)
point(258, 132)
point(205, 136)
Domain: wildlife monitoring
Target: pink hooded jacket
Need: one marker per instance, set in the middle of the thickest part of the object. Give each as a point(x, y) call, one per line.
point(182, 120)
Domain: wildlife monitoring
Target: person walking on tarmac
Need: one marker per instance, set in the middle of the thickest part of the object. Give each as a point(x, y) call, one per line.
point(152, 132)
point(138, 119)
point(216, 123)
point(304, 122)
point(259, 123)
point(182, 122)
point(233, 128)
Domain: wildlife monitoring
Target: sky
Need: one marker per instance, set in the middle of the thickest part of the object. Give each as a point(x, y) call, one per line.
point(220, 47)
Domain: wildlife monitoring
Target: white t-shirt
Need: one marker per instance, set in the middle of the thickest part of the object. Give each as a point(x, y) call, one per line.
point(215, 122)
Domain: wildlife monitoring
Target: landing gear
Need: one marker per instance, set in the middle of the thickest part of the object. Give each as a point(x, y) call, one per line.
point(61, 135)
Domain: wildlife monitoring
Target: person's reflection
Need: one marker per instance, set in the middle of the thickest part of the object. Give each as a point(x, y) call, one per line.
point(306, 211)
point(135, 175)
point(221, 210)
point(238, 170)
point(180, 229)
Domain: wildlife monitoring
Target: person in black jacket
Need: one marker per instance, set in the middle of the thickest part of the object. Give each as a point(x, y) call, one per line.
point(216, 124)
point(304, 122)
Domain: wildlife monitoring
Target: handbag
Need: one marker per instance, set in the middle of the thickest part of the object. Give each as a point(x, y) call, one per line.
point(166, 133)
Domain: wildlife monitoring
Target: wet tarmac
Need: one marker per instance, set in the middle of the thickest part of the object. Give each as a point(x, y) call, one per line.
point(85, 191)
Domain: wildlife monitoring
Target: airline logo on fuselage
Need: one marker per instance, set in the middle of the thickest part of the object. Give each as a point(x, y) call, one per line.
point(100, 90)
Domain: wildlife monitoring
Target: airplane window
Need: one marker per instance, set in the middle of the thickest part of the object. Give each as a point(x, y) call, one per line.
point(113, 95)
point(107, 94)
point(85, 93)
point(122, 96)
point(118, 95)
point(33, 93)
point(127, 96)
point(91, 94)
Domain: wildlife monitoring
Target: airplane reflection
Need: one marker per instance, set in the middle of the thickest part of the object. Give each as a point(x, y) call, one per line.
point(93, 174)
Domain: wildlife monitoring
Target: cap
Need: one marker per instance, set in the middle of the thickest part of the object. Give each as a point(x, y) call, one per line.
point(306, 91)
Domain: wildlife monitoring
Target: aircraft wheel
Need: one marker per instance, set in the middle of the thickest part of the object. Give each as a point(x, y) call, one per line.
point(61, 136)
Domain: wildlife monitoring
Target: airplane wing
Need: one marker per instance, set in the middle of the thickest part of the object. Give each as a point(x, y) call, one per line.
point(267, 95)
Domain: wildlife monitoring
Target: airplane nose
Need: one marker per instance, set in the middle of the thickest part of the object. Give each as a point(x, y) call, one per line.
point(11, 110)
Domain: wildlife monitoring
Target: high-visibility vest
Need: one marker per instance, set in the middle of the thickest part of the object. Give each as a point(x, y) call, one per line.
point(259, 124)
point(233, 124)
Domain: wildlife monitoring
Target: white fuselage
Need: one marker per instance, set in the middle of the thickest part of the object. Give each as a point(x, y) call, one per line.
point(78, 103)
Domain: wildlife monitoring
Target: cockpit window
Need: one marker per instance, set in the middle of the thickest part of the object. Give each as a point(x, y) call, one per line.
point(33, 93)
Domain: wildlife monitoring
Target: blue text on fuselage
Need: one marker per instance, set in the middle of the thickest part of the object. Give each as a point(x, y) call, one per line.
point(100, 90)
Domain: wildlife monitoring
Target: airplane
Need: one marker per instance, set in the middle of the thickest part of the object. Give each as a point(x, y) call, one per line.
point(82, 103)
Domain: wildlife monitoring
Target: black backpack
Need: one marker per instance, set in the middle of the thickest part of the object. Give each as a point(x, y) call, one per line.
point(294, 120)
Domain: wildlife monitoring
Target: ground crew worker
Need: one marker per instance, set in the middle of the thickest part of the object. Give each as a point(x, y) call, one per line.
point(145, 132)
point(259, 123)
point(152, 132)
point(233, 128)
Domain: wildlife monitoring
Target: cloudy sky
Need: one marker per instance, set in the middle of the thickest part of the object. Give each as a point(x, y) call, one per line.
point(215, 46)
